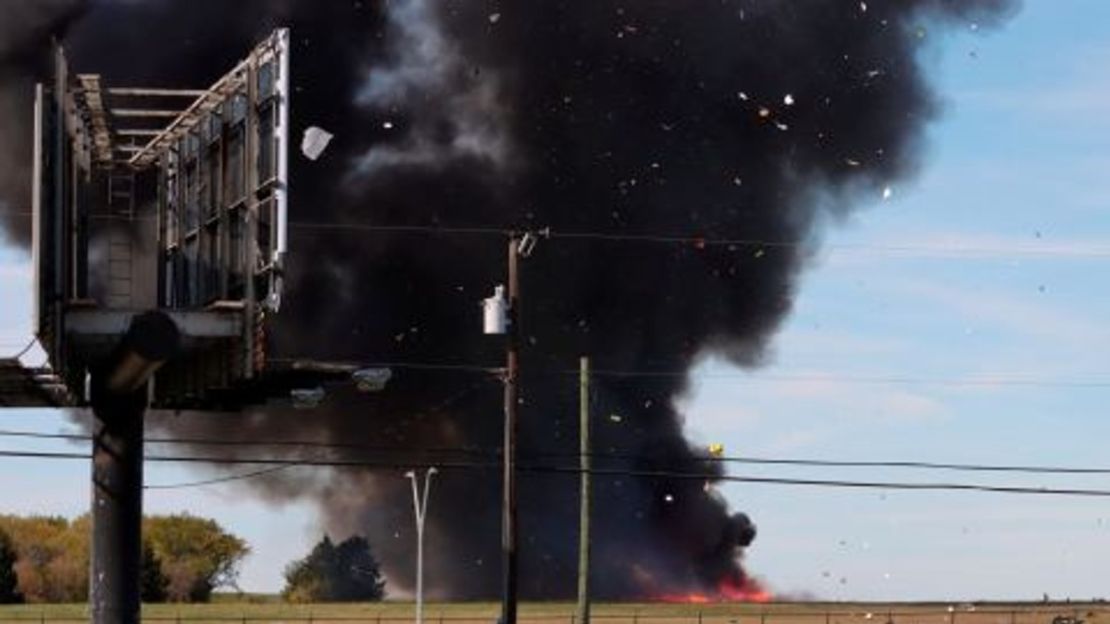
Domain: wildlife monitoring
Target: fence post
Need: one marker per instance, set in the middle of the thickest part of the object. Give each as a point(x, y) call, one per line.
point(1013, 617)
point(763, 617)
point(828, 616)
point(699, 616)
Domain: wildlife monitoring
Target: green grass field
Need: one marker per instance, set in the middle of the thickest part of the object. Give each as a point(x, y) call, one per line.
point(268, 609)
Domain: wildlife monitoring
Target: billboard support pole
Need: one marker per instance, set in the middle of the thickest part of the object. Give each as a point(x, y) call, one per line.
point(117, 509)
point(119, 400)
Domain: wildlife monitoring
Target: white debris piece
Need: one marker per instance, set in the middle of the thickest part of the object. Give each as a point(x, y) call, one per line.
point(494, 18)
point(315, 141)
point(851, 162)
point(887, 192)
point(788, 99)
point(863, 7)
point(742, 96)
point(306, 398)
point(388, 125)
point(669, 498)
point(371, 379)
point(781, 126)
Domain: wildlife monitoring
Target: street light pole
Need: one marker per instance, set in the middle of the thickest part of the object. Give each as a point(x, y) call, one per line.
point(420, 507)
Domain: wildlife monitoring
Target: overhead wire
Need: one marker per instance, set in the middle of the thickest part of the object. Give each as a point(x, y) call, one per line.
point(575, 470)
point(663, 238)
point(217, 480)
point(22, 351)
point(495, 452)
point(980, 380)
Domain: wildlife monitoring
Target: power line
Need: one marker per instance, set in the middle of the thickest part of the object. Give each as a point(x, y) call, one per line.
point(574, 470)
point(865, 379)
point(22, 351)
point(964, 251)
point(420, 366)
point(205, 482)
point(1009, 380)
point(493, 453)
point(603, 472)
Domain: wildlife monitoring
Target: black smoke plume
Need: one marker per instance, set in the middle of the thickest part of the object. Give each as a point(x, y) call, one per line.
point(745, 119)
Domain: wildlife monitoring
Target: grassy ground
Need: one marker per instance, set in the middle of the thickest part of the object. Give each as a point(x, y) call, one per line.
point(268, 609)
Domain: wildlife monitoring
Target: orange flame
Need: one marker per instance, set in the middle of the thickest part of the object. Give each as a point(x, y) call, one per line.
point(728, 590)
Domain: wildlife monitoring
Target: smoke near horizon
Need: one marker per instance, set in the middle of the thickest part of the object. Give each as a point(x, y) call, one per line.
point(739, 119)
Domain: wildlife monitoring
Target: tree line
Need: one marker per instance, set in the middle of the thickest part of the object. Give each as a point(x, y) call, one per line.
point(185, 558)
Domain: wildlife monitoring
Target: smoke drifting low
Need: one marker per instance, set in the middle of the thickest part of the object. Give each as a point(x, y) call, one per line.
point(746, 119)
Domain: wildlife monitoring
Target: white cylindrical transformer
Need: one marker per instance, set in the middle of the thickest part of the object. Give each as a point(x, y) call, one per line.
point(495, 317)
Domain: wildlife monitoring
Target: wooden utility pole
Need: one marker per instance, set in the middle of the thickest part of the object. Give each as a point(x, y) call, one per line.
point(584, 495)
point(508, 504)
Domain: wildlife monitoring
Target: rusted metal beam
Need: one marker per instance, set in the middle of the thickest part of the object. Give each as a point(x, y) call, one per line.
point(221, 89)
point(144, 112)
point(93, 101)
point(153, 92)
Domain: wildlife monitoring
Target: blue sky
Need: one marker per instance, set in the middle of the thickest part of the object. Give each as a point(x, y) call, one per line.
point(1002, 244)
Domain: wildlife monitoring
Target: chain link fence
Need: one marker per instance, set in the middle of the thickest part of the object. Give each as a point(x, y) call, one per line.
point(777, 613)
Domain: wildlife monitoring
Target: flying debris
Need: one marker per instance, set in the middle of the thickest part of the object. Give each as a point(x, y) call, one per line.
point(887, 192)
point(371, 379)
point(525, 127)
point(716, 449)
point(315, 141)
point(307, 398)
point(788, 99)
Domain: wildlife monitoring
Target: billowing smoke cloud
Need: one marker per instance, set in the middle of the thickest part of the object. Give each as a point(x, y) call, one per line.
point(25, 33)
point(746, 119)
point(451, 111)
